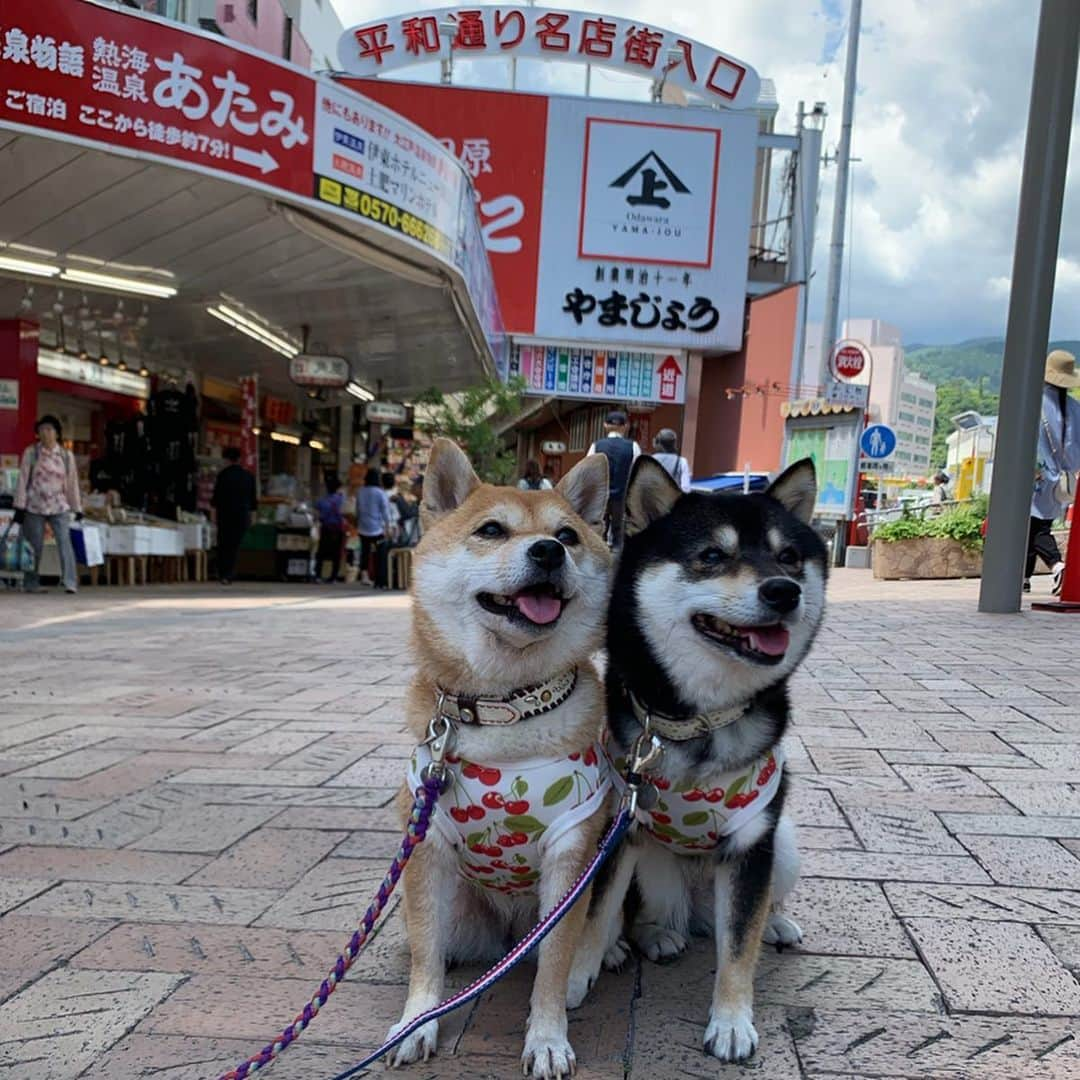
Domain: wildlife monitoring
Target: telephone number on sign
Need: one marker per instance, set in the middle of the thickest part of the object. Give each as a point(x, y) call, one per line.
point(379, 210)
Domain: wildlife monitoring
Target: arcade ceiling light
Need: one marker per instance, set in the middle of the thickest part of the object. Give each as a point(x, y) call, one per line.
point(123, 284)
point(25, 266)
point(254, 330)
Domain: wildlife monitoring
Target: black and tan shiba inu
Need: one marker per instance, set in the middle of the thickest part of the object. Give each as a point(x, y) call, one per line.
point(717, 599)
point(509, 602)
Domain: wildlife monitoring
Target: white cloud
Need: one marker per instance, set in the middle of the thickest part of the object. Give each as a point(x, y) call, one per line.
point(939, 126)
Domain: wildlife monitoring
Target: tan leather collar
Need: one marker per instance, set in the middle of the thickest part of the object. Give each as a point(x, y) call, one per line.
point(679, 728)
point(521, 704)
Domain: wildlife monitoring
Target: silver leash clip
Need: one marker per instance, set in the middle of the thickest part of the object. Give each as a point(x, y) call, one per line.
point(440, 735)
point(645, 752)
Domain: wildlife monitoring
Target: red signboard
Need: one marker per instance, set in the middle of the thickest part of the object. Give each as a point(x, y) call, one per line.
point(848, 361)
point(249, 421)
point(145, 85)
point(501, 139)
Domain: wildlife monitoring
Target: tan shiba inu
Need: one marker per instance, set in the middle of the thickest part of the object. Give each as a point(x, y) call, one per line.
point(510, 600)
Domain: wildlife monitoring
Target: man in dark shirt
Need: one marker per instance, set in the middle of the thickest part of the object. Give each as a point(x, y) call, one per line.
point(233, 503)
point(621, 453)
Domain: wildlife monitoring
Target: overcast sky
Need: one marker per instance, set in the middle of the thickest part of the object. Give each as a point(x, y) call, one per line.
point(939, 125)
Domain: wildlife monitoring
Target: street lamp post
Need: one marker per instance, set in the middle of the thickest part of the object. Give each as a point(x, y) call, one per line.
point(1038, 230)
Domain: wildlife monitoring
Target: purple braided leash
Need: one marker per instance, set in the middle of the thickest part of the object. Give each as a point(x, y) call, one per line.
point(419, 820)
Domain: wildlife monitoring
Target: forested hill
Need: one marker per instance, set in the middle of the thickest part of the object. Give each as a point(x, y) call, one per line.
point(967, 375)
point(973, 360)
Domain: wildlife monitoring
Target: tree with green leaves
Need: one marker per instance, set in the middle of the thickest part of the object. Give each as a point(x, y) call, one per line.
point(471, 419)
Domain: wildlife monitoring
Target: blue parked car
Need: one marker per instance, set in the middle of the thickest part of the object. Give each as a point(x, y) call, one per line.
point(731, 482)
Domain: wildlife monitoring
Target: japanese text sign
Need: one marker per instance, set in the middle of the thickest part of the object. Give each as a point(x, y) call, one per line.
point(568, 372)
point(372, 163)
point(545, 33)
point(143, 84)
point(646, 224)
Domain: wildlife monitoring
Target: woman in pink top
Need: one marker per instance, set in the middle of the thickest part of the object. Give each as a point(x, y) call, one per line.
point(48, 491)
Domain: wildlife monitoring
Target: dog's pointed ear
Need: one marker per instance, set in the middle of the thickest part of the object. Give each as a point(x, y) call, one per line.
point(650, 494)
point(585, 488)
point(796, 489)
point(448, 481)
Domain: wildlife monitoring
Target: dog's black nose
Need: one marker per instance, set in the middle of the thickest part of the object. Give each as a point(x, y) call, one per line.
point(548, 554)
point(781, 594)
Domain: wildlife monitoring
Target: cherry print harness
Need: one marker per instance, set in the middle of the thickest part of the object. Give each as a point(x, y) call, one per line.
point(688, 819)
point(501, 818)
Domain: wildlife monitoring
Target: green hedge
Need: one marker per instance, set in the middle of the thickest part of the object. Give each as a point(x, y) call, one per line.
point(961, 523)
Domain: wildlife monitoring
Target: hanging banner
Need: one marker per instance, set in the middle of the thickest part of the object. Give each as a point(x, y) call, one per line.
point(523, 32)
point(249, 421)
point(568, 372)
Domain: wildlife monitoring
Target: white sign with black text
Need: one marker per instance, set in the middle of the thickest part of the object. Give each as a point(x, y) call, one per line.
point(645, 225)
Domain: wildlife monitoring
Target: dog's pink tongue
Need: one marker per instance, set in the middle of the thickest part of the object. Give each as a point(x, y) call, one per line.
point(538, 608)
point(770, 640)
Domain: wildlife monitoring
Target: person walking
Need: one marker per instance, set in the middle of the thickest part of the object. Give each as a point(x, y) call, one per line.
point(372, 520)
point(621, 453)
point(331, 510)
point(233, 503)
point(534, 479)
point(47, 493)
point(666, 451)
point(1058, 462)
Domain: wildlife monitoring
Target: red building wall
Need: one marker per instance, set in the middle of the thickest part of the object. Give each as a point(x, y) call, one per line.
point(732, 432)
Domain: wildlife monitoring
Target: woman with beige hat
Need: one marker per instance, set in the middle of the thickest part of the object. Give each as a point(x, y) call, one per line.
point(1058, 464)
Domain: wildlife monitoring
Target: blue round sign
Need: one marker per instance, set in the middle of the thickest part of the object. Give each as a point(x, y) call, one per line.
point(878, 442)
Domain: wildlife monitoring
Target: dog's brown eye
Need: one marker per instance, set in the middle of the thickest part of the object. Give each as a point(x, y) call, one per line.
point(713, 556)
point(490, 530)
point(567, 536)
point(789, 556)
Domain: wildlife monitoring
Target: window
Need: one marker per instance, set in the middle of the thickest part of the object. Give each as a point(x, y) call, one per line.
point(905, 436)
point(908, 399)
point(253, 11)
point(925, 403)
point(924, 421)
point(909, 417)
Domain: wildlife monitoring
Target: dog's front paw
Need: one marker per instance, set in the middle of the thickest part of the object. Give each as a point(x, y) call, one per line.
point(781, 931)
point(420, 1045)
point(547, 1057)
point(617, 955)
point(731, 1035)
point(660, 944)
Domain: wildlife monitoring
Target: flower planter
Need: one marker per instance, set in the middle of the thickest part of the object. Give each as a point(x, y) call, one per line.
point(925, 558)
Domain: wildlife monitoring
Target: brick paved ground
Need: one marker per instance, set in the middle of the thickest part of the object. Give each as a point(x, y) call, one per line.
point(193, 792)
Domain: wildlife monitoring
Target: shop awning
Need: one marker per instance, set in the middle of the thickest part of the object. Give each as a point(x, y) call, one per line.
point(150, 152)
point(400, 322)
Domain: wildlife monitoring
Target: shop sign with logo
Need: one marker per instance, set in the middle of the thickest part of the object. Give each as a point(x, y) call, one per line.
point(385, 412)
point(332, 372)
point(59, 365)
point(567, 371)
point(9, 393)
point(646, 215)
point(519, 31)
